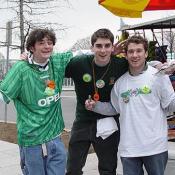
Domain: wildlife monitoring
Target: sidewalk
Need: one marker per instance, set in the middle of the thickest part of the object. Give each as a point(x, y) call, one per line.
point(9, 160)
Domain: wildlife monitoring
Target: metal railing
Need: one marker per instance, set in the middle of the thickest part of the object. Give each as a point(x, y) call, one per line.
point(68, 84)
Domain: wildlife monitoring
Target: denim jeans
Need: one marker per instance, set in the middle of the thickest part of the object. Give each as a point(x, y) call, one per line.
point(33, 162)
point(154, 164)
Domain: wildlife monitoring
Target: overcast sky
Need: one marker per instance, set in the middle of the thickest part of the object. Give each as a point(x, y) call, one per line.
point(88, 16)
point(85, 17)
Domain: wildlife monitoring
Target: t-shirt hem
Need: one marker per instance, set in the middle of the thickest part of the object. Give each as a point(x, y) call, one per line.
point(143, 154)
point(40, 143)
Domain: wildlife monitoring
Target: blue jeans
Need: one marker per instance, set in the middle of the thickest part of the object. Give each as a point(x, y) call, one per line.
point(33, 162)
point(154, 164)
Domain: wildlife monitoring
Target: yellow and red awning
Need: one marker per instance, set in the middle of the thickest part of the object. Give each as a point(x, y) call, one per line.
point(134, 8)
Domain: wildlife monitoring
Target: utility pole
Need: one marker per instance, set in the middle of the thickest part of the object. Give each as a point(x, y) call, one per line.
point(21, 16)
point(8, 43)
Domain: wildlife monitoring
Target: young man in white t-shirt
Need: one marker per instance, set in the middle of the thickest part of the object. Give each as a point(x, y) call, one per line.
point(141, 96)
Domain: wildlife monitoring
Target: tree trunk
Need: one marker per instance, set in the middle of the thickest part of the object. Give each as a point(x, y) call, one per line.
point(21, 17)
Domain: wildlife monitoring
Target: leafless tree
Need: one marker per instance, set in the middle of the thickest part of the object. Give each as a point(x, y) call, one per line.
point(169, 37)
point(31, 14)
point(81, 44)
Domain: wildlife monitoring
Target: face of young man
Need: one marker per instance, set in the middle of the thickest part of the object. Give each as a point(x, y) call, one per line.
point(42, 50)
point(102, 50)
point(136, 56)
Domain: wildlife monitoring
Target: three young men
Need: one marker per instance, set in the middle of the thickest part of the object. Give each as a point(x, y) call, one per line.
point(35, 88)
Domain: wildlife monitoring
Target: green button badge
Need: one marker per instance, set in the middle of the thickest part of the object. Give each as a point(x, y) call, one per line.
point(87, 78)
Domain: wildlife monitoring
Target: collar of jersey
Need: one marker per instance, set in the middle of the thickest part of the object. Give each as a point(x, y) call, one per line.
point(40, 66)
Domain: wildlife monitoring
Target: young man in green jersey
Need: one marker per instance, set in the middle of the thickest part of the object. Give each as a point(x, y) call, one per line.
point(35, 88)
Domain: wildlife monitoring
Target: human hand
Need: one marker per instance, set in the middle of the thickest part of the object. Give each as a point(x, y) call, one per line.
point(24, 56)
point(90, 104)
point(119, 48)
point(166, 68)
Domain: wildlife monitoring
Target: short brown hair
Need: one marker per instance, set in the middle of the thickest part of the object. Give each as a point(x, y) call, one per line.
point(102, 33)
point(38, 35)
point(137, 39)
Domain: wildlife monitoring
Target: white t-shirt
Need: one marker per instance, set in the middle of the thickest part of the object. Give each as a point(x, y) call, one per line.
point(140, 100)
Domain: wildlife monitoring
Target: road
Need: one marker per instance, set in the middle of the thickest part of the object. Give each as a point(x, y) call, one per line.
point(68, 107)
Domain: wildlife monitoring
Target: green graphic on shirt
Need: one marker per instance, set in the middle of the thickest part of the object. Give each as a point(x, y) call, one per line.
point(135, 92)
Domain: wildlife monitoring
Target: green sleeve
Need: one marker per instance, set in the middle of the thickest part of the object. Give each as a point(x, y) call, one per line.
point(62, 58)
point(11, 84)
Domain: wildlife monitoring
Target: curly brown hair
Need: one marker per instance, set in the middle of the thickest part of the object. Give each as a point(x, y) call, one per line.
point(38, 35)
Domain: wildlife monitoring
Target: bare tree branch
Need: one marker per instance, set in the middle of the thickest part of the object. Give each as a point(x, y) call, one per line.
point(26, 12)
point(169, 37)
point(81, 44)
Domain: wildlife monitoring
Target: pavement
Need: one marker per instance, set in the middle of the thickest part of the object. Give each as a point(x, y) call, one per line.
point(9, 160)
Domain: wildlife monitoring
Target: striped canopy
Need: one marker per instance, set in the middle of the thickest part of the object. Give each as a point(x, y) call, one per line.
point(134, 8)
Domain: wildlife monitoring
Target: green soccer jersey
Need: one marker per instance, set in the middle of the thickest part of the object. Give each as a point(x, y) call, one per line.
point(39, 114)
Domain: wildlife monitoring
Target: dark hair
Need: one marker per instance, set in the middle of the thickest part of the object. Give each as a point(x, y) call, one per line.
point(102, 33)
point(137, 39)
point(38, 35)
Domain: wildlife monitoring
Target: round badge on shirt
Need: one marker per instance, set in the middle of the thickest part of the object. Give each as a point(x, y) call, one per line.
point(87, 78)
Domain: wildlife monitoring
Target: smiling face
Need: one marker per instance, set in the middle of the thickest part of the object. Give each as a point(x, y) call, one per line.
point(136, 56)
point(102, 50)
point(40, 44)
point(42, 50)
point(102, 46)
